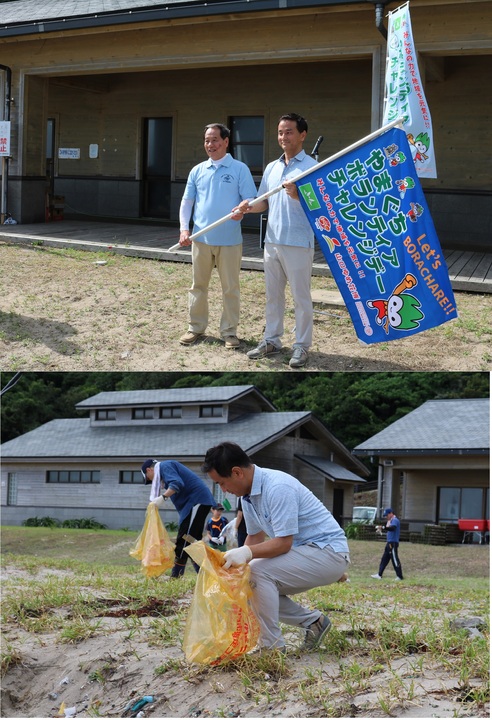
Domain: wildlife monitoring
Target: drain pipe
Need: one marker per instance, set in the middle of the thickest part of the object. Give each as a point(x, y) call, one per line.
point(379, 7)
point(5, 160)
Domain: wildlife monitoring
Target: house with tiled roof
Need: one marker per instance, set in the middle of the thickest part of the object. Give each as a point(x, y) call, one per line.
point(90, 467)
point(107, 99)
point(434, 463)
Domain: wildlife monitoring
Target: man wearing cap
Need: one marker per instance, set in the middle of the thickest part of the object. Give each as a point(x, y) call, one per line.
point(392, 528)
point(189, 495)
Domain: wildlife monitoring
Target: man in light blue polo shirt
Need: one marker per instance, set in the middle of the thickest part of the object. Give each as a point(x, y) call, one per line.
point(305, 546)
point(289, 244)
point(213, 189)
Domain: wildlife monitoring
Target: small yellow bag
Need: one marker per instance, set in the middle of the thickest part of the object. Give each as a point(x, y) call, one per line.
point(221, 624)
point(153, 546)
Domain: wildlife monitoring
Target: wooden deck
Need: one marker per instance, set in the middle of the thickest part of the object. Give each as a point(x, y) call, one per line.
point(468, 271)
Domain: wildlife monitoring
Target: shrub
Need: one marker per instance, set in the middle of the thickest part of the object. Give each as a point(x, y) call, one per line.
point(41, 522)
point(82, 523)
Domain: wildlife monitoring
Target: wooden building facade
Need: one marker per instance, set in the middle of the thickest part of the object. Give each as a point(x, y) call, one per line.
point(90, 467)
point(434, 463)
point(108, 109)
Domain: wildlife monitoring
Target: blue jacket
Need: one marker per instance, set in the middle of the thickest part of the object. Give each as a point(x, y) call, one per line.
point(189, 489)
point(393, 531)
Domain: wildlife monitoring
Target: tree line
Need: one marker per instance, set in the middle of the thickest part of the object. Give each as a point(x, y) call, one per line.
point(353, 406)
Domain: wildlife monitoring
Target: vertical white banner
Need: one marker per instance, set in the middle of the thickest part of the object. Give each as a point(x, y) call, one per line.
point(404, 94)
point(4, 138)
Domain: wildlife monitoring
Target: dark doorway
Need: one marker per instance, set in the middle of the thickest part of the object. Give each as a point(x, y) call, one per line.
point(158, 138)
point(338, 505)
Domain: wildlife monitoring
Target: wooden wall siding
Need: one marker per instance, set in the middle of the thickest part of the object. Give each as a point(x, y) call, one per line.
point(437, 462)
point(320, 64)
point(336, 105)
point(33, 490)
point(421, 489)
point(335, 98)
point(461, 108)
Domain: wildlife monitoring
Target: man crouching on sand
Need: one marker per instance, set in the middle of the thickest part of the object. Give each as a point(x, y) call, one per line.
point(306, 548)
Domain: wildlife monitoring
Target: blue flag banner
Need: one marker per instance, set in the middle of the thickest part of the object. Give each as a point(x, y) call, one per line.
point(370, 217)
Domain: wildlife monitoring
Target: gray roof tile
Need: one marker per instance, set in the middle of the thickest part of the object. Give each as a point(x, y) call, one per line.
point(74, 438)
point(188, 396)
point(436, 426)
point(29, 11)
point(333, 470)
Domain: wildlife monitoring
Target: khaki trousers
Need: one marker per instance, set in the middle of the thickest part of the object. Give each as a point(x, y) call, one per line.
point(275, 579)
point(227, 260)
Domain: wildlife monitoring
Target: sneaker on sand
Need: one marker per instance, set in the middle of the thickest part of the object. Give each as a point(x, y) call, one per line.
point(263, 350)
point(376, 577)
point(299, 357)
point(316, 632)
point(231, 342)
point(190, 338)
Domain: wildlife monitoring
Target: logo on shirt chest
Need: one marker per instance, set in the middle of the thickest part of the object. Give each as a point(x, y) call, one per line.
point(227, 179)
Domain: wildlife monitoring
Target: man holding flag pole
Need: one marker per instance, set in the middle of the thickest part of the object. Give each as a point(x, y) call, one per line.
point(289, 244)
point(367, 208)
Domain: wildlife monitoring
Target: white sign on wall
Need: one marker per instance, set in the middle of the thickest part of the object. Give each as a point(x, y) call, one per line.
point(4, 138)
point(69, 153)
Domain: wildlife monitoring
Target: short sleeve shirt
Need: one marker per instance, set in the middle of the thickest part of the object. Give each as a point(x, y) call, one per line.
point(216, 190)
point(280, 505)
point(287, 221)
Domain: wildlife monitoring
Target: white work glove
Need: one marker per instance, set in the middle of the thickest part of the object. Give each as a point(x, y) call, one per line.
point(214, 540)
point(237, 556)
point(220, 540)
point(159, 501)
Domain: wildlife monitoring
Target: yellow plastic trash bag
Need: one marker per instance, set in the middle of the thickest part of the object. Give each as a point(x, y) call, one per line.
point(221, 624)
point(153, 546)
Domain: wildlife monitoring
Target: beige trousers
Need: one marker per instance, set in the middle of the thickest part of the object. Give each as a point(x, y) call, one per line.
point(227, 260)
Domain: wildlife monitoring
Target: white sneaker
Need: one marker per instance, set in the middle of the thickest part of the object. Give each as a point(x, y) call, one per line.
point(397, 579)
point(376, 577)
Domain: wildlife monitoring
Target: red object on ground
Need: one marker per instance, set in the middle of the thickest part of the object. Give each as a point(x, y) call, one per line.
point(472, 525)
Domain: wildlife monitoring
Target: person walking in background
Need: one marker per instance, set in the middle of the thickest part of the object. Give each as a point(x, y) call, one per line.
point(190, 496)
point(213, 189)
point(214, 528)
point(392, 529)
point(293, 544)
point(289, 244)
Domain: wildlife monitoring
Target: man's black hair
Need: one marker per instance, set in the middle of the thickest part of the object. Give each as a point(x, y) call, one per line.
point(223, 130)
point(223, 457)
point(301, 123)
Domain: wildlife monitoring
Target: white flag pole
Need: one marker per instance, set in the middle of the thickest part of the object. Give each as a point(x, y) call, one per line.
point(268, 194)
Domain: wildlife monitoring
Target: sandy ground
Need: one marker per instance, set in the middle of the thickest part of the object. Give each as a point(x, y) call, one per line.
point(75, 310)
point(51, 673)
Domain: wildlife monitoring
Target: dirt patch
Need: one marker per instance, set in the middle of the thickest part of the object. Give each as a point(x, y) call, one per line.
point(64, 310)
point(119, 662)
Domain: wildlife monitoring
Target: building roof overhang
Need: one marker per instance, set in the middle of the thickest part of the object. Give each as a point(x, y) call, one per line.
point(19, 19)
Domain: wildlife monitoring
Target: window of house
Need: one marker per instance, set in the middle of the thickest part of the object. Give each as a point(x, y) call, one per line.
point(105, 414)
point(247, 140)
point(73, 476)
point(12, 489)
point(455, 503)
point(170, 412)
point(207, 411)
point(130, 477)
point(143, 414)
